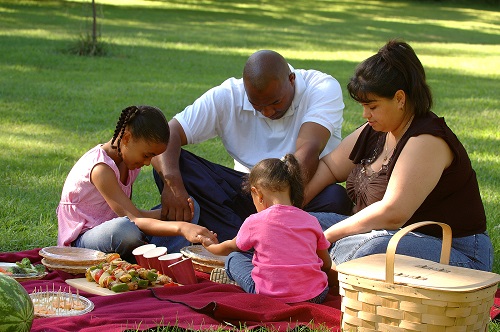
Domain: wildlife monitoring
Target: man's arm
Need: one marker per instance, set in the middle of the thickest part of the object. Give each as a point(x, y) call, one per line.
point(311, 141)
point(174, 198)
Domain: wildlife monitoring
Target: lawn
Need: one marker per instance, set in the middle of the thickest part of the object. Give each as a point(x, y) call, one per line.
point(54, 106)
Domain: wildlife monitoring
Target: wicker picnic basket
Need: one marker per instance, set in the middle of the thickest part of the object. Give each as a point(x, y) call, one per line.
point(389, 292)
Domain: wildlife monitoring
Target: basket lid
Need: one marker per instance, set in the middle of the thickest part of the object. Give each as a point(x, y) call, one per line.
point(420, 272)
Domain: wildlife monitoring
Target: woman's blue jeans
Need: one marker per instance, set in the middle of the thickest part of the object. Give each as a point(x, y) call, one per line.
point(122, 236)
point(474, 251)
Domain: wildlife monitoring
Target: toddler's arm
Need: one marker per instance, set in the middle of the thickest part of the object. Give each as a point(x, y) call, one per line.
point(325, 257)
point(222, 249)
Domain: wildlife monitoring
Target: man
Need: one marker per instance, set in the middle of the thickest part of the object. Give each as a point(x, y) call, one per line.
point(271, 111)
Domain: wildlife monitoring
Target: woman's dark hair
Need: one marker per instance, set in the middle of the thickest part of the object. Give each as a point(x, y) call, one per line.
point(394, 67)
point(276, 174)
point(143, 122)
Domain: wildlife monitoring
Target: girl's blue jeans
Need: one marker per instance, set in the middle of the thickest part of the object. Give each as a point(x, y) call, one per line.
point(474, 251)
point(122, 236)
point(239, 268)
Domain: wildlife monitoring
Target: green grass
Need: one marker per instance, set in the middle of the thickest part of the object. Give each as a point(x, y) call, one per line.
point(54, 106)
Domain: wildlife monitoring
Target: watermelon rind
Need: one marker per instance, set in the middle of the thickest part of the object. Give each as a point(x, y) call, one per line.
point(16, 307)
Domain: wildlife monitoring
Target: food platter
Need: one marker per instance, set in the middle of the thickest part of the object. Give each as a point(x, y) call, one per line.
point(58, 304)
point(21, 277)
point(91, 287)
point(72, 256)
point(203, 260)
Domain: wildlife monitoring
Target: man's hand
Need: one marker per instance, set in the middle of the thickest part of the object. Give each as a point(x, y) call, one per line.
point(175, 202)
point(174, 195)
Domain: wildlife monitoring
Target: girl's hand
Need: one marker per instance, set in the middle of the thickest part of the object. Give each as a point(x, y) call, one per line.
point(206, 242)
point(193, 233)
point(222, 249)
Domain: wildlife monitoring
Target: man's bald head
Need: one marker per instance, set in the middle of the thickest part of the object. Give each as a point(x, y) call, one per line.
point(263, 67)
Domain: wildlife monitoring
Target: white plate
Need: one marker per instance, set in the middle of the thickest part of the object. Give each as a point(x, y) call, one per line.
point(58, 304)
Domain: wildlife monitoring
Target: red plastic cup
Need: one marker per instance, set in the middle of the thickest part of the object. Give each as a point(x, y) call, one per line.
point(139, 252)
point(152, 257)
point(167, 260)
point(183, 272)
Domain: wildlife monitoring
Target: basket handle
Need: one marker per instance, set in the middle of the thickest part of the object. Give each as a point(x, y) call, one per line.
point(393, 243)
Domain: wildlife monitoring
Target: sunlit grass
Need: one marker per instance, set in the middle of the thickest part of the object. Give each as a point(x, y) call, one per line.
point(54, 107)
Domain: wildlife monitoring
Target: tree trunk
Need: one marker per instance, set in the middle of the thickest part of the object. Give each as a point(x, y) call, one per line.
point(94, 28)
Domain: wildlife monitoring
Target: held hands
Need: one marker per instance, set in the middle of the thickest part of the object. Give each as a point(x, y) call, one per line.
point(222, 249)
point(207, 242)
point(196, 233)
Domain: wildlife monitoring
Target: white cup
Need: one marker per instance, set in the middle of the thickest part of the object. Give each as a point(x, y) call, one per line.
point(139, 252)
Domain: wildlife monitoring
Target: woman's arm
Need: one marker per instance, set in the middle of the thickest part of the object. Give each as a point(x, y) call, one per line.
point(332, 168)
point(416, 173)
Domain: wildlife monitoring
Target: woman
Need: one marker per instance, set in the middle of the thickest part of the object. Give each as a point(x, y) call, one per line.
point(403, 166)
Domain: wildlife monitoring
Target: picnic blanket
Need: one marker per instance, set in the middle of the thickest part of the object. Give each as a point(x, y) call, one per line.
point(206, 305)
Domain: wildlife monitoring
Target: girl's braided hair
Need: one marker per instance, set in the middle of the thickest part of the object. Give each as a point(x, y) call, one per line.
point(143, 122)
point(276, 174)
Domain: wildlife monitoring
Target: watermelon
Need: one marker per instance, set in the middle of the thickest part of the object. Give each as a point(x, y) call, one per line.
point(16, 307)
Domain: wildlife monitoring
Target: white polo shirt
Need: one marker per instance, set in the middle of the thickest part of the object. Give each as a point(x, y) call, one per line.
point(247, 135)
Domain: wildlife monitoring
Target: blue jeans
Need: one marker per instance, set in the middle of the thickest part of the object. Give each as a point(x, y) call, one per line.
point(239, 268)
point(122, 236)
point(474, 251)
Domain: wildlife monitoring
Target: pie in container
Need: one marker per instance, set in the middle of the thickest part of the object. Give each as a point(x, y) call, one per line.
point(203, 260)
point(70, 259)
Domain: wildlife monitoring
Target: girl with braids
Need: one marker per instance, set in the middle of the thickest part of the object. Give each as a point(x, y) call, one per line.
point(280, 240)
point(96, 210)
point(404, 165)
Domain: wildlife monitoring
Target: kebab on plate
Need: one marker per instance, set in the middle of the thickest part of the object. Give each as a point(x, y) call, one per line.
point(121, 276)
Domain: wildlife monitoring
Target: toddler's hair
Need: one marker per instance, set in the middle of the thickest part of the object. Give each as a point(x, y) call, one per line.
point(276, 174)
point(143, 122)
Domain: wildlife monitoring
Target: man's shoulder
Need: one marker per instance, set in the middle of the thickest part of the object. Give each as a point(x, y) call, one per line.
point(311, 74)
point(312, 78)
point(232, 82)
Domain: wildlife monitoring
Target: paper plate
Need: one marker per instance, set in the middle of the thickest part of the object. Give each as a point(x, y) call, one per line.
point(203, 260)
point(59, 304)
point(72, 256)
point(73, 269)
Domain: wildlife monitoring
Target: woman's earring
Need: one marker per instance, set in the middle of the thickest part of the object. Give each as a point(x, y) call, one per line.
point(261, 201)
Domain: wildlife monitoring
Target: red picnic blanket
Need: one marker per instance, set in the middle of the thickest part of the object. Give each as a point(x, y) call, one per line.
point(201, 306)
point(206, 305)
